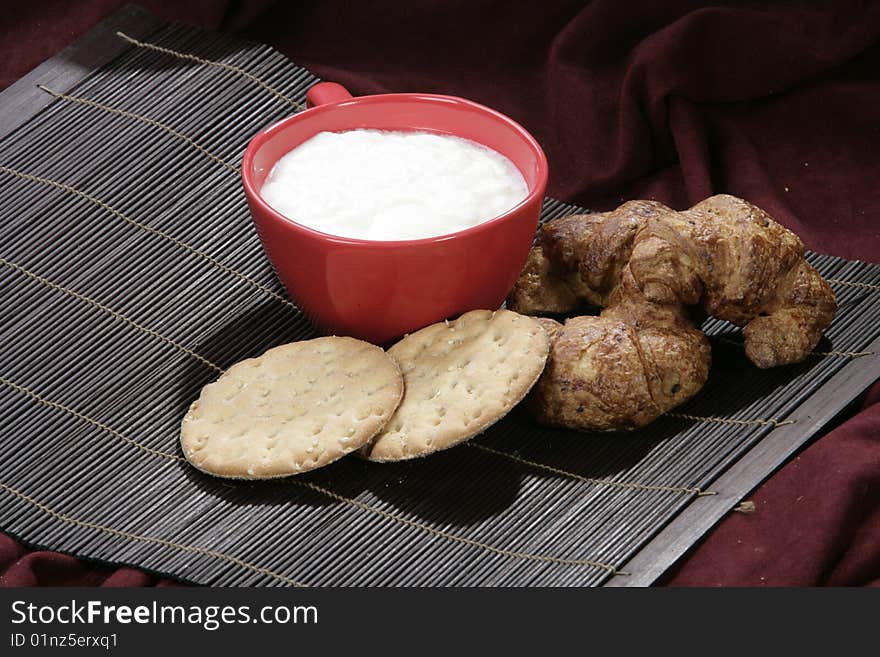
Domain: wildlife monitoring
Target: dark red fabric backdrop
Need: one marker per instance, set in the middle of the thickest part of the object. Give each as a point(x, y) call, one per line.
point(776, 102)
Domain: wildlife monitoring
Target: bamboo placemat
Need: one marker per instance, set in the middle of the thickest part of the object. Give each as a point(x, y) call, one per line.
point(132, 275)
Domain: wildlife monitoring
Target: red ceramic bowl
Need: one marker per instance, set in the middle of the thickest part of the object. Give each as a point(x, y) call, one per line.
point(378, 291)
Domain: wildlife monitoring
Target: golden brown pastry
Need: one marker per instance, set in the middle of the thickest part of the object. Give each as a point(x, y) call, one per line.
point(647, 266)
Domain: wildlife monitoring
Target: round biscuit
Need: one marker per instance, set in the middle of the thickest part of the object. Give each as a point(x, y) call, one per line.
point(297, 407)
point(460, 378)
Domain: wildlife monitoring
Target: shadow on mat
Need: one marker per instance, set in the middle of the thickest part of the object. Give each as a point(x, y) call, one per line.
point(451, 487)
point(735, 382)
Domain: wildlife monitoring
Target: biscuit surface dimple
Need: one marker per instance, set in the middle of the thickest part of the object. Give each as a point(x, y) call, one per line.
point(460, 378)
point(295, 408)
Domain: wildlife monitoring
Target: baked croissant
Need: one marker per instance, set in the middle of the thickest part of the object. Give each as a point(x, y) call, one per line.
point(650, 268)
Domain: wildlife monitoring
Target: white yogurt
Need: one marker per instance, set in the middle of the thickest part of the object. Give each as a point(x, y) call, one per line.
point(383, 185)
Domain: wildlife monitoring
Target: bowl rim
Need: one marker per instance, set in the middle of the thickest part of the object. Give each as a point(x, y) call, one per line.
point(264, 135)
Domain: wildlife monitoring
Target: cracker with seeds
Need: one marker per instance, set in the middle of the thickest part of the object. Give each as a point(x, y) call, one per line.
point(295, 408)
point(460, 377)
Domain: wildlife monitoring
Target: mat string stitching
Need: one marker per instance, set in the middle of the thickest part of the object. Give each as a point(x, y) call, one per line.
point(85, 418)
point(148, 539)
point(461, 539)
point(590, 480)
point(722, 420)
point(845, 354)
point(869, 286)
point(106, 309)
point(149, 229)
point(329, 493)
point(209, 62)
point(151, 122)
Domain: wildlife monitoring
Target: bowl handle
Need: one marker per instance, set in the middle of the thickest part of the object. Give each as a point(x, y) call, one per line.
point(326, 92)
